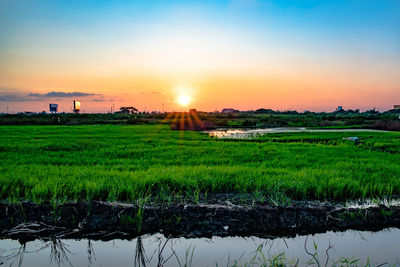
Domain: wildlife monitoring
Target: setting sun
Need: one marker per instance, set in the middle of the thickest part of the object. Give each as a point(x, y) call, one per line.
point(183, 100)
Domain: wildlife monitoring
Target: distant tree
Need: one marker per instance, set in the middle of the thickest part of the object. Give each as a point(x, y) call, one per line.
point(372, 111)
point(264, 111)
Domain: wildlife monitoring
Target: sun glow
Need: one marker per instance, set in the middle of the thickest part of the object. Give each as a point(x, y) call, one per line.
point(183, 100)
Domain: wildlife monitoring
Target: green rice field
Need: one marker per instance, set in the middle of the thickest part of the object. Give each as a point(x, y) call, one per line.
point(126, 162)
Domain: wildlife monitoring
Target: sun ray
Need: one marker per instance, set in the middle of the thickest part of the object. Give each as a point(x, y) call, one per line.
point(190, 122)
point(197, 120)
point(182, 121)
point(170, 115)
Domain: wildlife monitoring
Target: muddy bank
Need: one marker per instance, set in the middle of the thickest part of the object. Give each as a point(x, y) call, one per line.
point(103, 220)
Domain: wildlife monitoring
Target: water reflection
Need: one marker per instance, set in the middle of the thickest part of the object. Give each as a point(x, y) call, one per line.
point(328, 249)
point(90, 253)
point(58, 253)
point(14, 256)
point(253, 133)
point(140, 255)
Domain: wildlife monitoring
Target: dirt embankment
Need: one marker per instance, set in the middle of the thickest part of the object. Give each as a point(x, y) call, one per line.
point(103, 220)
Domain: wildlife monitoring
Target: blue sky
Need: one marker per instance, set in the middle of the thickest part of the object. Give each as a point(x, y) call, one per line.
point(44, 44)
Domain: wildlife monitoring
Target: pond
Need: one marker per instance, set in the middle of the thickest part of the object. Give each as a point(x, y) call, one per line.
point(156, 250)
point(251, 133)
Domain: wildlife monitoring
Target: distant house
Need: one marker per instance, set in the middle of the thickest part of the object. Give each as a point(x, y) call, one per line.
point(229, 110)
point(339, 108)
point(396, 107)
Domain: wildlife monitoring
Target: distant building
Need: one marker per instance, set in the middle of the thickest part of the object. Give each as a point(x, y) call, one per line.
point(77, 106)
point(229, 110)
point(396, 107)
point(53, 108)
point(192, 111)
point(339, 108)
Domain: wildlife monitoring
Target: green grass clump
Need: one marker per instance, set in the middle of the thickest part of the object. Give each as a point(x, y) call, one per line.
point(122, 163)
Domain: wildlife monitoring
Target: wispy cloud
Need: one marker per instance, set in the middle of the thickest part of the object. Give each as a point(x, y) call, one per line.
point(16, 98)
point(61, 94)
point(150, 93)
point(6, 96)
point(98, 100)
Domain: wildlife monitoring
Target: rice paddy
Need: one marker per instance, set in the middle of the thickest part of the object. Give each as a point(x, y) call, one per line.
point(127, 162)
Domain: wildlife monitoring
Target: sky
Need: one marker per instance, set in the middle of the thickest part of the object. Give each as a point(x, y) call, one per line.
point(244, 54)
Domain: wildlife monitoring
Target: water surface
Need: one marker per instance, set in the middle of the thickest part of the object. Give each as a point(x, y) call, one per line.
point(251, 133)
point(379, 247)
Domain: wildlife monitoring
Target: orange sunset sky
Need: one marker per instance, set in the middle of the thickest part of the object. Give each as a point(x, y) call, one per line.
point(297, 55)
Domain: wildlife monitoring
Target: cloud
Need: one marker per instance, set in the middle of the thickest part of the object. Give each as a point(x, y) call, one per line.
point(16, 98)
point(61, 94)
point(102, 99)
point(6, 96)
point(150, 93)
